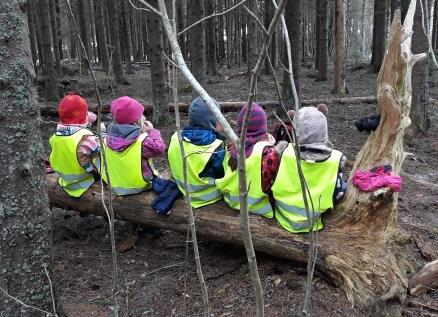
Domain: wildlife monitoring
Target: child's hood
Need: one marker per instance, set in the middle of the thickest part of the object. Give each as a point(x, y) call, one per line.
point(120, 136)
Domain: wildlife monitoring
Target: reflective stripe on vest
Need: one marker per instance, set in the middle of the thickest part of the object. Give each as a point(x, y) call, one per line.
point(202, 191)
point(321, 180)
point(258, 201)
point(124, 169)
point(63, 159)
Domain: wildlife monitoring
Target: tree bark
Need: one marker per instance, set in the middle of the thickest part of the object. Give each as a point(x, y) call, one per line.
point(113, 23)
point(317, 30)
point(59, 28)
point(293, 19)
point(252, 35)
point(323, 40)
point(32, 34)
point(360, 248)
point(127, 36)
point(101, 35)
point(50, 80)
point(210, 35)
point(220, 32)
point(25, 238)
point(55, 40)
point(72, 31)
point(420, 111)
point(339, 69)
point(83, 14)
point(424, 280)
point(379, 34)
point(159, 91)
point(197, 40)
point(435, 26)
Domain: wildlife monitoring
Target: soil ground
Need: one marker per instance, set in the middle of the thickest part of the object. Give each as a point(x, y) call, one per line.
point(158, 277)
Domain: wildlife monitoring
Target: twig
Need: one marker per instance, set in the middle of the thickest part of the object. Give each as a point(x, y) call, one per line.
point(26, 305)
point(163, 268)
point(109, 210)
point(257, 20)
point(51, 291)
point(211, 16)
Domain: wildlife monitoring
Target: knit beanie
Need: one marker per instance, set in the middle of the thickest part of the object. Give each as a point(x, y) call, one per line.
point(257, 128)
point(73, 109)
point(312, 128)
point(200, 115)
point(126, 110)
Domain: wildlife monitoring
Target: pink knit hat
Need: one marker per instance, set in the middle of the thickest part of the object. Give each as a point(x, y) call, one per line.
point(126, 110)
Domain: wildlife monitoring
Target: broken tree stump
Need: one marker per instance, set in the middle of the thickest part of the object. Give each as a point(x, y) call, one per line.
point(360, 248)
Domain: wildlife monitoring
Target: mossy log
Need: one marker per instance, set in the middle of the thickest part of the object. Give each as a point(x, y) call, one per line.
point(360, 248)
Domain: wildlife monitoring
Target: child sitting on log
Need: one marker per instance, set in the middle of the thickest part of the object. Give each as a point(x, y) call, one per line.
point(130, 145)
point(322, 169)
point(204, 150)
point(262, 160)
point(73, 146)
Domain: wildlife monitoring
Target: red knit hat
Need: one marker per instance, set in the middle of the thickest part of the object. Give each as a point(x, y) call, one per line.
point(73, 109)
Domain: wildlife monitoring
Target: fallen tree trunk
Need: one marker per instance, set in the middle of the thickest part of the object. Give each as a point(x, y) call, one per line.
point(360, 248)
point(424, 280)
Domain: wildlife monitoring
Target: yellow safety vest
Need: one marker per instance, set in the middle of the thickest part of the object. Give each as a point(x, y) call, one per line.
point(124, 168)
point(202, 191)
point(258, 201)
point(321, 179)
point(63, 159)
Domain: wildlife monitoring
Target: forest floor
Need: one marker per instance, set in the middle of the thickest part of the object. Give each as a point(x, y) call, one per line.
point(153, 279)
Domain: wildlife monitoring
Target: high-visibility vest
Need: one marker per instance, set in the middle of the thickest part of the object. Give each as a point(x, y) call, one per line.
point(321, 180)
point(64, 160)
point(124, 168)
point(202, 191)
point(258, 201)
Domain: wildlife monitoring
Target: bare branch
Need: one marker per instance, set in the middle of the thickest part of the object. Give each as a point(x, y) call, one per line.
point(26, 305)
point(257, 20)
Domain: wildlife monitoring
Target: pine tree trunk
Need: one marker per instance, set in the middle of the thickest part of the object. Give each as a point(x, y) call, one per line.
point(182, 23)
point(197, 40)
point(266, 22)
point(83, 30)
point(210, 36)
point(101, 35)
point(50, 80)
point(72, 31)
point(435, 26)
point(25, 217)
point(32, 34)
point(59, 28)
point(220, 32)
point(92, 30)
point(252, 35)
point(52, 11)
point(293, 18)
point(159, 91)
point(323, 40)
point(317, 30)
point(339, 71)
point(126, 34)
point(420, 111)
point(379, 35)
point(243, 31)
point(113, 23)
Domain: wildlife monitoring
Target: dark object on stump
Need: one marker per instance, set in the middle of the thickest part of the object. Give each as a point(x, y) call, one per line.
point(367, 123)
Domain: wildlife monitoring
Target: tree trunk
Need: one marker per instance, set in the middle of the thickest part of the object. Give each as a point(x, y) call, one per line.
point(293, 19)
point(210, 35)
point(159, 91)
point(127, 36)
point(55, 40)
point(420, 111)
point(182, 23)
point(243, 31)
point(25, 238)
point(83, 30)
point(395, 4)
point(360, 248)
point(379, 34)
point(323, 40)
point(252, 35)
point(72, 31)
point(197, 41)
point(220, 32)
point(50, 80)
point(339, 71)
point(317, 30)
point(435, 26)
point(59, 28)
point(92, 20)
point(101, 35)
point(32, 34)
point(113, 23)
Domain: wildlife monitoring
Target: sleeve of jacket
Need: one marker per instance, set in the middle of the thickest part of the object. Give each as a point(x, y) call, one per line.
point(341, 184)
point(214, 167)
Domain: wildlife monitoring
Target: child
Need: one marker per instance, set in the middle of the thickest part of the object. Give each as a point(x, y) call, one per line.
point(74, 146)
point(321, 168)
point(262, 160)
point(130, 144)
point(204, 150)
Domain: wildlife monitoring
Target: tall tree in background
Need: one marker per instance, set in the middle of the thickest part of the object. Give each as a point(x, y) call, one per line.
point(83, 13)
point(32, 33)
point(113, 23)
point(50, 80)
point(252, 35)
point(72, 31)
point(210, 35)
point(379, 34)
point(197, 40)
point(293, 17)
point(25, 238)
point(126, 33)
point(323, 40)
point(317, 30)
point(55, 33)
point(420, 112)
point(156, 56)
point(101, 35)
point(339, 68)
